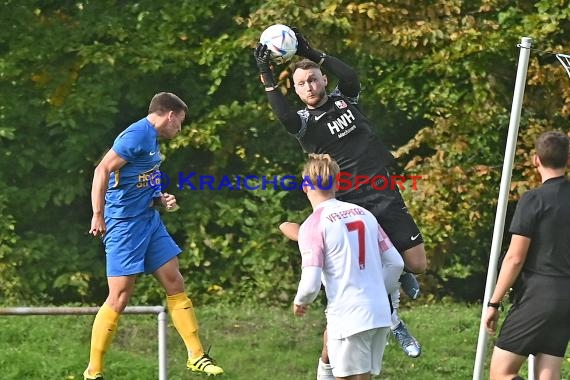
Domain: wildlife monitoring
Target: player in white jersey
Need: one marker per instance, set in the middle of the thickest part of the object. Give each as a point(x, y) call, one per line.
point(343, 246)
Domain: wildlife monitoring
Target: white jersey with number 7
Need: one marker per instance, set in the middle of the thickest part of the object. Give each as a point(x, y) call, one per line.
point(346, 241)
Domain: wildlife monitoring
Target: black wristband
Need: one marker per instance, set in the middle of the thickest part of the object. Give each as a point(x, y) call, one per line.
point(494, 305)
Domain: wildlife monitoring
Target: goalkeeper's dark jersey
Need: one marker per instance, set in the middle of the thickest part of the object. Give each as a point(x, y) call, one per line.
point(341, 130)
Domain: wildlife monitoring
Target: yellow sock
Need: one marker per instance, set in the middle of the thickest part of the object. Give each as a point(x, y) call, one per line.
point(104, 328)
point(184, 319)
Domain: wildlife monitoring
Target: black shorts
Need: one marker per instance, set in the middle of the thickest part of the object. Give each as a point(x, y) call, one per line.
point(389, 208)
point(539, 320)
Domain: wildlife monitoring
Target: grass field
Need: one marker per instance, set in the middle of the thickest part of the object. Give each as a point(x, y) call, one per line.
point(249, 342)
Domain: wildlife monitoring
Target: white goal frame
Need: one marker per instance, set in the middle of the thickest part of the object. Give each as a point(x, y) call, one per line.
point(506, 174)
point(159, 310)
point(564, 59)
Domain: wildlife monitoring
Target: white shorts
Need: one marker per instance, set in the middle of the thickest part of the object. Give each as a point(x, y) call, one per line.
point(358, 353)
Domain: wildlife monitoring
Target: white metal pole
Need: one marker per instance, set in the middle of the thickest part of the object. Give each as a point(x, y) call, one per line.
point(162, 323)
point(503, 199)
point(531, 367)
point(162, 362)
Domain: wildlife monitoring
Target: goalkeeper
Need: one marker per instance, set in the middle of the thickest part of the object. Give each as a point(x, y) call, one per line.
point(332, 123)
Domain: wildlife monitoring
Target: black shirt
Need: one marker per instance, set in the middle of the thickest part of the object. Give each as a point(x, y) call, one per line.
point(543, 215)
point(341, 130)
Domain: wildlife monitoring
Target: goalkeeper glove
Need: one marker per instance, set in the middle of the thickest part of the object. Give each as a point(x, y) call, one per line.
point(262, 57)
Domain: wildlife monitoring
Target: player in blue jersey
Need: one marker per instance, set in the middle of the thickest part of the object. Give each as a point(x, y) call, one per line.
point(124, 195)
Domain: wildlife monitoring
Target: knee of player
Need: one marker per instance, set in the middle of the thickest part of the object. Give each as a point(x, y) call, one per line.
point(118, 303)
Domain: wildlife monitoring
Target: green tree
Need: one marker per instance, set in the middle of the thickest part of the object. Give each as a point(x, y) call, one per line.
point(437, 76)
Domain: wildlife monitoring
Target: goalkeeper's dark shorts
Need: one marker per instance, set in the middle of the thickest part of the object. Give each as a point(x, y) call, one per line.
point(392, 214)
point(539, 319)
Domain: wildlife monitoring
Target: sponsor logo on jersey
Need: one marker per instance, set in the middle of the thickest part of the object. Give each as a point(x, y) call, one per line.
point(317, 118)
point(341, 123)
point(340, 104)
point(149, 178)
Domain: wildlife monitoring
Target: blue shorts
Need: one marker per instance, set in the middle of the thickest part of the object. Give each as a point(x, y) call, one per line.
point(138, 245)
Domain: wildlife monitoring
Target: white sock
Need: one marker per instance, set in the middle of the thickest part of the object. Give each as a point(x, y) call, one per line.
point(324, 371)
point(395, 319)
point(395, 296)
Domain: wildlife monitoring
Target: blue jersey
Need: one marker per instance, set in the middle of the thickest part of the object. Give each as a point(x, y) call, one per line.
point(132, 188)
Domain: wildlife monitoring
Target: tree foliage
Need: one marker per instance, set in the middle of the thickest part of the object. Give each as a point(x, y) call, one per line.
point(437, 78)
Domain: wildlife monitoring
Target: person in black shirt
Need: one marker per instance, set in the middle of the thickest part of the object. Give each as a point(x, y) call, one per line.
point(538, 262)
point(333, 123)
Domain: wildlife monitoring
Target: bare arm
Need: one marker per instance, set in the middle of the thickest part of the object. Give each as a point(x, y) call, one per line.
point(510, 270)
point(290, 230)
point(110, 163)
point(511, 267)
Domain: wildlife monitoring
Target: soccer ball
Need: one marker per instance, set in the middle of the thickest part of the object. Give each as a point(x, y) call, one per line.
point(281, 42)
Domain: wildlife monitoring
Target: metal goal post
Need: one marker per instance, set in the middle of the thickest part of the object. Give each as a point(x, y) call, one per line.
point(160, 311)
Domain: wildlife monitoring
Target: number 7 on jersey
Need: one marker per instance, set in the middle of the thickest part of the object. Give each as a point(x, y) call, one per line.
point(358, 226)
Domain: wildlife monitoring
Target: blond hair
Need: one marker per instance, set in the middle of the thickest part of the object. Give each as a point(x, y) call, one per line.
point(322, 171)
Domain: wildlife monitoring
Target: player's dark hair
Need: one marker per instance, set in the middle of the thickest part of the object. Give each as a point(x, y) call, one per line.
point(304, 64)
point(165, 102)
point(552, 149)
